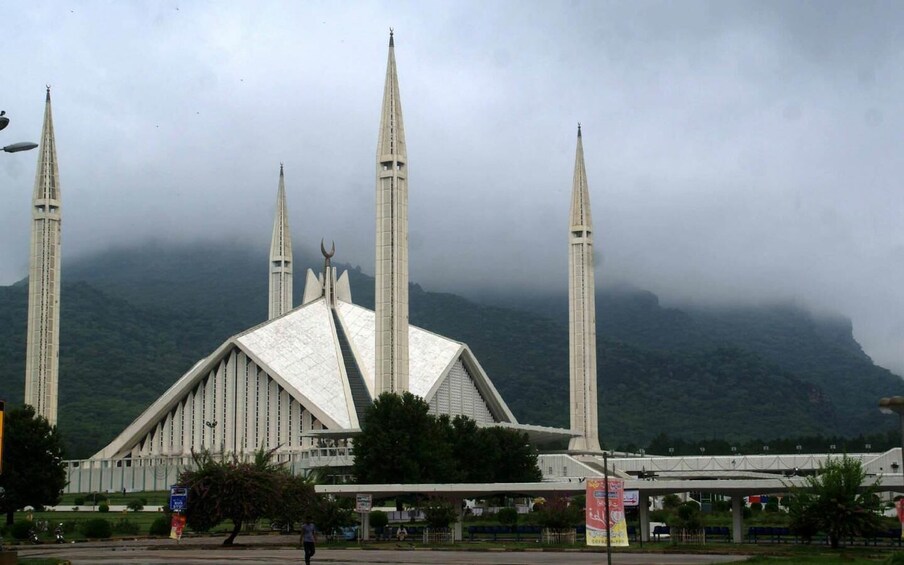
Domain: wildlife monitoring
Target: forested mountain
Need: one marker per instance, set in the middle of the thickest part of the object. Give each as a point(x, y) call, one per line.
point(134, 320)
point(818, 349)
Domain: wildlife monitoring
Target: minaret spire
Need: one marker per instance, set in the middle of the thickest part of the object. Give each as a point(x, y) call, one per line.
point(582, 312)
point(391, 303)
point(43, 342)
point(280, 255)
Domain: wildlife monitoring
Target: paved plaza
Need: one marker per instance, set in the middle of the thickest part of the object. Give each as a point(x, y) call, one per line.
point(276, 549)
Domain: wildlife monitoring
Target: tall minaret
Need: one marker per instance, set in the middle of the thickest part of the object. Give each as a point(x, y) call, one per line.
point(280, 256)
point(42, 361)
point(582, 313)
point(391, 296)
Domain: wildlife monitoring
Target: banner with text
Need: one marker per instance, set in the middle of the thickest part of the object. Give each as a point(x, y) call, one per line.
point(597, 520)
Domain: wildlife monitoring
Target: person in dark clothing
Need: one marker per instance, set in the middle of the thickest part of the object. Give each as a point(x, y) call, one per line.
point(307, 539)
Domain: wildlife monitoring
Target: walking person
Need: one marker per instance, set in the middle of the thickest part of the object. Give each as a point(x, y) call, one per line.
point(307, 539)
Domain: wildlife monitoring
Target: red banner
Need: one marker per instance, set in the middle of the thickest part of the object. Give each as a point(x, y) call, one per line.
point(597, 520)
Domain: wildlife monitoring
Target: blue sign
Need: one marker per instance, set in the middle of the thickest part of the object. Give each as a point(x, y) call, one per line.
point(178, 498)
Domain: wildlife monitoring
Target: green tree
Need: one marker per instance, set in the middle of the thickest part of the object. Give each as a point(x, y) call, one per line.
point(439, 512)
point(330, 514)
point(558, 514)
point(240, 491)
point(836, 502)
point(507, 516)
point(33, 469)
point(401, 442)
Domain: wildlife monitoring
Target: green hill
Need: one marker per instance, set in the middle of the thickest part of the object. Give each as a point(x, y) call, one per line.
point(134, 320)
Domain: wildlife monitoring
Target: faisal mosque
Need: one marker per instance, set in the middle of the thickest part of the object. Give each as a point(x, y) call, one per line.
point(300, 382)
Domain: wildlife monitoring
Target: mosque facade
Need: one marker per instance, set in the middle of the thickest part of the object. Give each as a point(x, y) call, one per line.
point(301, 381)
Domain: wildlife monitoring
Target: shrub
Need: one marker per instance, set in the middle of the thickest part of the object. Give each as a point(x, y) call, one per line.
point(756, 507)
point(379, 519)
point(659, 515)
point(896, 558)
point(160, 526)
point(97, 528)
point(772, 505)
point(687, 517)
point(671, 501)
point(439, 513)
point(136, 504)
point(507, 516)
point(559, 515)
point(103, 507)
point(124, 526)
point(79, 501)
point(19, 530)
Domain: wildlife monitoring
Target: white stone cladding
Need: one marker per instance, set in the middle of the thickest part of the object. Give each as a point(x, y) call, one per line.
point(280, 256)
point(391, 267)
point(582, 313)
point(43, 338)
point(236, 407)
point(459, 395)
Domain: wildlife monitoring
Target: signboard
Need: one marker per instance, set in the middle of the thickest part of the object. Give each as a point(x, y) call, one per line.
point(597, 519)
point(363, 502)
point(178, 498)
point(177, 526)
point(632, 498)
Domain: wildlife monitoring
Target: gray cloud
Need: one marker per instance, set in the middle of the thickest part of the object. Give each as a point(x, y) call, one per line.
point(736, 151)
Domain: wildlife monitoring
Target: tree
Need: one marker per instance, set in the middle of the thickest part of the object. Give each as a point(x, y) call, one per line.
point(330, 514)
point(33, 469)
point(439, 512)
point(296, 501)
point(240, 491)
point(836, 502)
point(558, 514)
point(401, 442)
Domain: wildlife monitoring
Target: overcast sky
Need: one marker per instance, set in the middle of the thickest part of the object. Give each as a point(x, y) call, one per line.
point(736, 151)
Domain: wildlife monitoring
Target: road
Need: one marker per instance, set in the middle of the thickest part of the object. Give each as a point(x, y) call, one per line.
point(277, 549)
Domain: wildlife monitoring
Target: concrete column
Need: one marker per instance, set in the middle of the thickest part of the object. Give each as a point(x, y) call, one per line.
point(737, 518)
point(644, 507)
point(457, 526)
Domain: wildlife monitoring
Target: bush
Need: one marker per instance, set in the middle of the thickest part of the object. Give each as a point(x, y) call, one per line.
point(379, 519)
point(136, 504)
point(507, 516)
point(559, 515)
point(97, 528)
point(756, 508)
point(687, 517)
point(103, 507)
point(772, 505)
point(19, 530)
point(439, 513)
point(79, 501)
point(160, 527)
point(896, 558)
point(671, 501)
point(124, 526)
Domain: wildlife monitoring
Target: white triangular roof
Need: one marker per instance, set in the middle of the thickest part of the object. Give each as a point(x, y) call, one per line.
point(301, 352)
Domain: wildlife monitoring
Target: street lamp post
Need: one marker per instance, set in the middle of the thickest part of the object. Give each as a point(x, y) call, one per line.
point(15, 147)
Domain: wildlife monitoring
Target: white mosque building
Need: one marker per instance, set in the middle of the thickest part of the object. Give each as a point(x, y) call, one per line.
point(300, 382)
